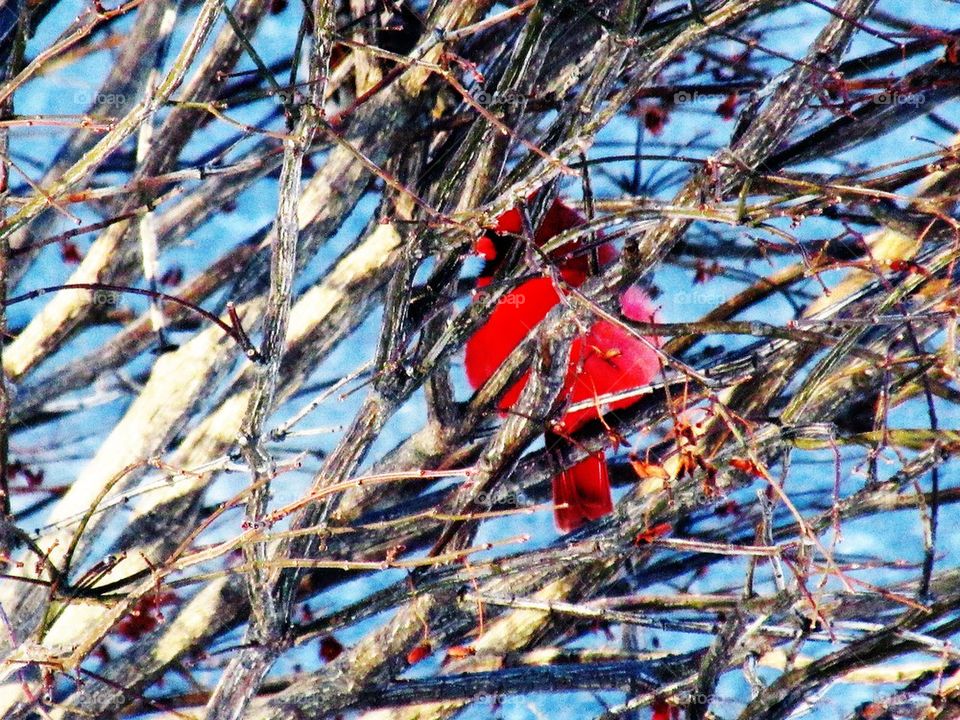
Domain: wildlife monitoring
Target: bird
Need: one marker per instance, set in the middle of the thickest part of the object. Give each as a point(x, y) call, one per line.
point(604, 359)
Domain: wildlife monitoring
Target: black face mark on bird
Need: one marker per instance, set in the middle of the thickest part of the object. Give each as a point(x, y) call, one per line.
point(494, 247)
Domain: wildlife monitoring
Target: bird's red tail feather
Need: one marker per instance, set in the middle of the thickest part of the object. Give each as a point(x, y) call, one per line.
point(582, 493)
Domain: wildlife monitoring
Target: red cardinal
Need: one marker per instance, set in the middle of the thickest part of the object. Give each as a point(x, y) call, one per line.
point(607, 359)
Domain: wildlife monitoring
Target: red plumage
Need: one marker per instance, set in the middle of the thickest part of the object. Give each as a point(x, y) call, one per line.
point(606, 359)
